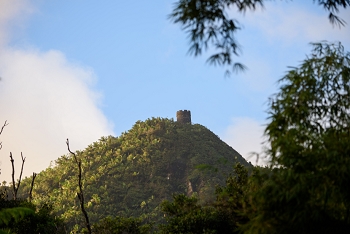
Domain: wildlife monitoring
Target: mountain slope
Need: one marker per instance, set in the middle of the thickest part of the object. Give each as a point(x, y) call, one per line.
point(133, 173)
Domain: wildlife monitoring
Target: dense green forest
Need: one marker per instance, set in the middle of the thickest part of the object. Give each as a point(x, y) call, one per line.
point(164, 176)
point(130, 175)
point(168, 177)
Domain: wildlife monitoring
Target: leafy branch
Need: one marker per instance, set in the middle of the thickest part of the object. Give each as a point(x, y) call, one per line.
point(14, 214)
point(208, 25)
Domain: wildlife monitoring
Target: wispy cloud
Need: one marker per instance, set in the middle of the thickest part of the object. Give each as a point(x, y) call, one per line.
point(12, 16)
point(46, 99)
point(289, 22)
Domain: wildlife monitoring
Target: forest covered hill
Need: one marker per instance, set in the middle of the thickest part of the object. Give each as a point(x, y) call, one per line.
point(131, 174)
point(303, 190)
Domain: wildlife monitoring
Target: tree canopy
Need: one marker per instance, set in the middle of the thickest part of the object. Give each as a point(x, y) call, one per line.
point(309, 135)
point(305, 190)
point(131, 174)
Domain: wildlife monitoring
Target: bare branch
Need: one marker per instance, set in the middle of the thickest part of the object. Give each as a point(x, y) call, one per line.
point(20, 175)
point(74, 155)
point(15, 188)
point(2, 129)
point(3, 126)
point(13, 176)
point(80, 194)
point(31, 187)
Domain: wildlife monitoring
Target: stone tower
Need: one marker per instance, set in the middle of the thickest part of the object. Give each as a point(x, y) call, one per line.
point(183, 116)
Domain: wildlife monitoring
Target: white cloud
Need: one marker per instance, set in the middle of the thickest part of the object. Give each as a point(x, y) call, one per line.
point(46, 99)
point(13, 14)
point(286, 23)
point(245, 135)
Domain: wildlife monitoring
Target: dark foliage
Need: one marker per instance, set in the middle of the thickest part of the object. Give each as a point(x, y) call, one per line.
point(121, 225)
point(224, 215)
point(209, 25)
point(309, 145)
point(22, 217)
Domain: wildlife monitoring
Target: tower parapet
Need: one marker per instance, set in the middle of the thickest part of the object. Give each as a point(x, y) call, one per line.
point(183, 116)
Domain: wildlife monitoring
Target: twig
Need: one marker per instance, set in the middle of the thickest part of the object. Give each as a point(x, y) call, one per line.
point(3, 126)
point(80, 194)
point(20, 175)
point(2, 129)
point(31, 187)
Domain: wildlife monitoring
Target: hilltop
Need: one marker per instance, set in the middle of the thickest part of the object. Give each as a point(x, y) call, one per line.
point(131, 174)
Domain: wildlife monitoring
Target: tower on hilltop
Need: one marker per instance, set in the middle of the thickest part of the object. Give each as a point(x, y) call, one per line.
point(183, 116)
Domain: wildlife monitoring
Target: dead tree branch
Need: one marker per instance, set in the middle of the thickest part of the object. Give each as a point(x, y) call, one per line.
point(80, 194)
point(15, 188)
point(2, 129)
point(20, 175)
point(31, 187)
point(13, 176)
point(3, 126)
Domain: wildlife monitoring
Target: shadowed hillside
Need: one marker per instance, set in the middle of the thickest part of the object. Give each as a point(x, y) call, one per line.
point(133, 173)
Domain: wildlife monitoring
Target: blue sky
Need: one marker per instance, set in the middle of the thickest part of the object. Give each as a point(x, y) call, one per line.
point(83, 69)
